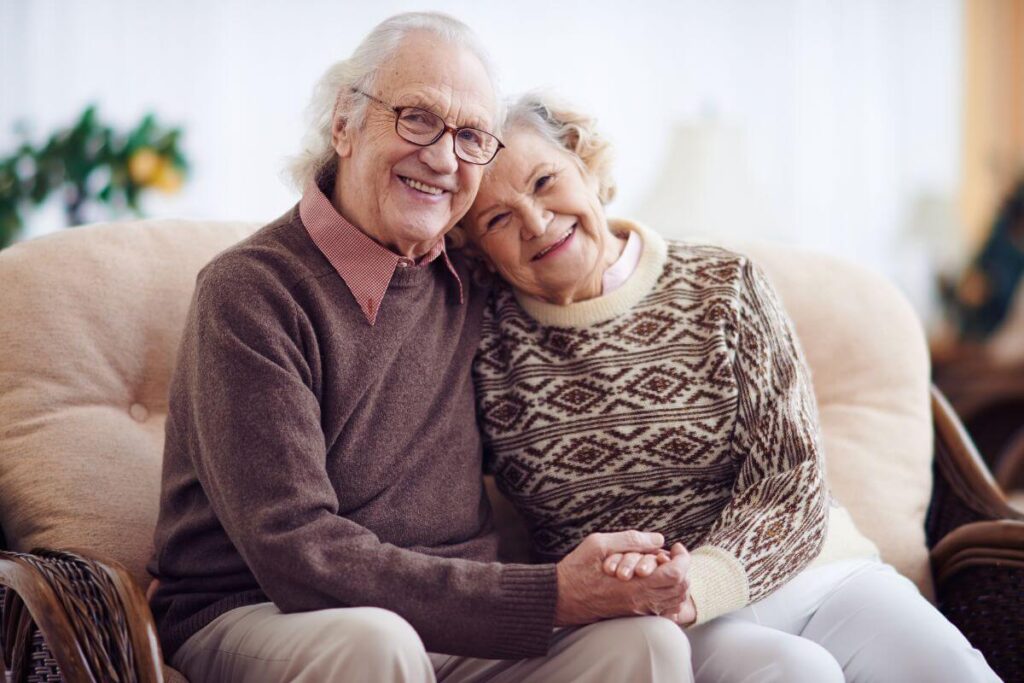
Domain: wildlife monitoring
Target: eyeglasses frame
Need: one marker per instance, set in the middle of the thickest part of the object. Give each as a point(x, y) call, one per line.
point(445, 129)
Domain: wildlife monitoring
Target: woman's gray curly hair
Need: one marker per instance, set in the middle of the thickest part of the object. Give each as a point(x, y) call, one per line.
point(333, 96)
point(565, 126)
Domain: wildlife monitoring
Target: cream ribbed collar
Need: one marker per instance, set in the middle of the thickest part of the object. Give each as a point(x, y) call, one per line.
point(622, 300)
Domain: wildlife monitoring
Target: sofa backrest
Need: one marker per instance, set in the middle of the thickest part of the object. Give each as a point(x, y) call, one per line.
point(89, 330)
point(92, 318)
point(871, 372)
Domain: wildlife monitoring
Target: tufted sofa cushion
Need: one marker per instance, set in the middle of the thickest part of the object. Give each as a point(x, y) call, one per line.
point(871, 372)
point(92, 318)
point(90, 327)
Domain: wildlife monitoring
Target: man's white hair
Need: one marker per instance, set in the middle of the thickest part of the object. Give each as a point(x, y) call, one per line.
point(333, 96)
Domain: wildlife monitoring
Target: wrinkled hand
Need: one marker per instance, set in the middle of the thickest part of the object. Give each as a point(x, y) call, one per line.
point(587, 594)
point(625, 566)
point(687, 613)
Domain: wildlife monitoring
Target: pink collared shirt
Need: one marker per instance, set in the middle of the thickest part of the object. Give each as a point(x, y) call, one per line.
point(624, 266)
point(365, 266)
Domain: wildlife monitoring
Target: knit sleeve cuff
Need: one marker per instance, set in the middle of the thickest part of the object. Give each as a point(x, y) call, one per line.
point(718, 583)
point(527, 618)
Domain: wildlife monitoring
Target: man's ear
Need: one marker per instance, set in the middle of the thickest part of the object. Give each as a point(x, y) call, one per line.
point(341, 137)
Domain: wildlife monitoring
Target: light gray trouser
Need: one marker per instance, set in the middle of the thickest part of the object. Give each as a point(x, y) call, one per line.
point(258, 643)
point(856, 620)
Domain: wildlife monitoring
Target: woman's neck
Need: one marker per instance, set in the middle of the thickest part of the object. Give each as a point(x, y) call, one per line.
point(639, 283)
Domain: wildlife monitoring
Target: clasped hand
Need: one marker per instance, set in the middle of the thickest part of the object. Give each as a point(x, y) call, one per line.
point(625, 573)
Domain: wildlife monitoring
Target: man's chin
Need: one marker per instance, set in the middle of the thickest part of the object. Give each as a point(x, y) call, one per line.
point(420, 238)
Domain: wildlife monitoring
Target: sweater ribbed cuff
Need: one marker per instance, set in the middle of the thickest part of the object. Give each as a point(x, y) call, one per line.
point(177, 634)
point(718, 583)
point(527, 617)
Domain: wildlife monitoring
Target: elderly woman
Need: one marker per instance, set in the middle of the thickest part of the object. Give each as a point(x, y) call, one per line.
point(628, 382)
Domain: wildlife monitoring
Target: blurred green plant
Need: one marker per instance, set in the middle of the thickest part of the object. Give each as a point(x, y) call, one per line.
point(89, 163)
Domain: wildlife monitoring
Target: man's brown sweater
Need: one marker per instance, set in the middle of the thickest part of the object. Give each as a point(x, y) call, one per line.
point(317, 461)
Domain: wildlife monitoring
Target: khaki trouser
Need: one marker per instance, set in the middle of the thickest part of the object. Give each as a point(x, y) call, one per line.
point(258, 643)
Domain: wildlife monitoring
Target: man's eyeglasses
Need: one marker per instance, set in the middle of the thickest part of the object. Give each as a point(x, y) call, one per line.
point(424, 128)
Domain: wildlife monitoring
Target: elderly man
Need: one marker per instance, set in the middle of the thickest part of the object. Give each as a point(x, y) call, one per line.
point(322, 513)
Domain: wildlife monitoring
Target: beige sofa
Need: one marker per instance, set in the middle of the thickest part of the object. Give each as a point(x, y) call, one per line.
point(91, 319)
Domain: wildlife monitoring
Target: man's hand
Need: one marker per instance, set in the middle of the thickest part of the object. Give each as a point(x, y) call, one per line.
point(586, 594)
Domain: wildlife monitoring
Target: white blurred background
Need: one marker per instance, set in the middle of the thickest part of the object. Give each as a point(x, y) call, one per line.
point(827, 123)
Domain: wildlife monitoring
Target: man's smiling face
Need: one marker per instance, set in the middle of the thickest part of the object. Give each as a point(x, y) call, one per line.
point(402, 195)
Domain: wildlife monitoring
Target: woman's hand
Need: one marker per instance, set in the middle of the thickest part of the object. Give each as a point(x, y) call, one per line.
point(687, 613)
point(627, 565)
point(586, 594)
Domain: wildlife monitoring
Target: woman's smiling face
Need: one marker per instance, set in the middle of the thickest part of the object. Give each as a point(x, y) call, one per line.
point(538, 220)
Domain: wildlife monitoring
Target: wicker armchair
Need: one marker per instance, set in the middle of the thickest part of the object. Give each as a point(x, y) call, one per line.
point(89, 332)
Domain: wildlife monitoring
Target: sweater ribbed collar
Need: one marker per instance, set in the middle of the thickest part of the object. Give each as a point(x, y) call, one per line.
point(616, 303)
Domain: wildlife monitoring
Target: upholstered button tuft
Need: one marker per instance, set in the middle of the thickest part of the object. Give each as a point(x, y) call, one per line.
point(138, 412)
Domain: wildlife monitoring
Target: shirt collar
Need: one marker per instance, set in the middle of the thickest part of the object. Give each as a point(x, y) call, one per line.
point(365, 266)
point(624, 266)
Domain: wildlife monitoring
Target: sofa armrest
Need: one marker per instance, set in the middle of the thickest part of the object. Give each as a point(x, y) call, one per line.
point(94, 620)
point(964, 489)
point(29, 598)
point(139, 618)
point(998, 543)
point(977, 547)
point(979, 571)
point(1010, 464)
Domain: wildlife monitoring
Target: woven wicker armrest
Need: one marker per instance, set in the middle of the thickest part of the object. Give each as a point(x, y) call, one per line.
point(1010, 464)
point(77, 617)
point(979, 574)
point(977, 547)
point(964, 489)
point(980, 543)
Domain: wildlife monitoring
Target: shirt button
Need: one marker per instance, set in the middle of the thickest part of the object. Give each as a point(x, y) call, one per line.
point(404, 263)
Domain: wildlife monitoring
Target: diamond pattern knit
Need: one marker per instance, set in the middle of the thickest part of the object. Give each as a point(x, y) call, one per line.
point(680, 404)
